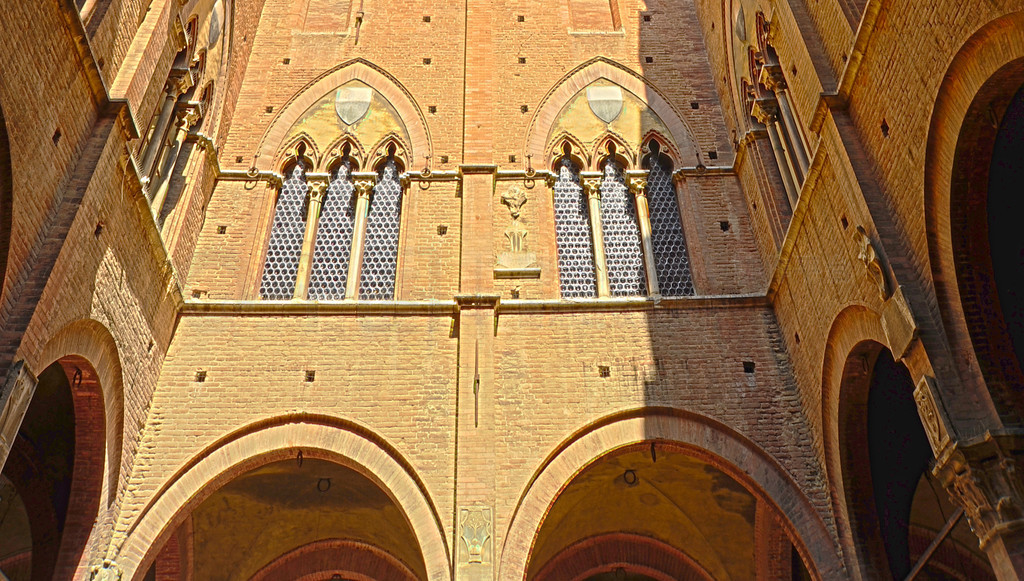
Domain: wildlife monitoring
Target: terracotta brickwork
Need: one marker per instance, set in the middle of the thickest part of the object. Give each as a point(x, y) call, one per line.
point(474, 396)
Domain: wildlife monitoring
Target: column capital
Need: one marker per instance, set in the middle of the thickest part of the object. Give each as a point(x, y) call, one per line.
point(982, 477)
point(772, 77)
point(364, 187)
point(187, 118)
point(638, 185)
point(765, 110)
point(317, 189)
point(592, 186)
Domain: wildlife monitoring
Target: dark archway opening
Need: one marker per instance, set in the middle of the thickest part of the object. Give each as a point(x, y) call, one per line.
point(984, 216)
point(54, 474)
point(895, 507)
point(40, 470)
point(1005, 216)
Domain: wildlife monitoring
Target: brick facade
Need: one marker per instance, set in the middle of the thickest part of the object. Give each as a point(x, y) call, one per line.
point(476, 393)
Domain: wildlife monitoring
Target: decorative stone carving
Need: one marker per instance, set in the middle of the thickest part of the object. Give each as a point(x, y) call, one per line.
point(933, 415)
point(475, 523)
point(187, 118)
point(638, 185)
point(108, 571)
point(765, 110)
point(592, 186)
point(364, 187)
point(517, 261)
point(514, 198)
point(317, 189)
point(868, 254)
point(982, 477)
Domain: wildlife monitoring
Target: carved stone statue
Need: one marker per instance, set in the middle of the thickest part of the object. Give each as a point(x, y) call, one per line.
point(869, 256)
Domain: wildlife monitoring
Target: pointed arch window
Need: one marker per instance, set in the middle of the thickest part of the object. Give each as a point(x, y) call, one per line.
point(668, 242)
point(383, 222)
point(329, 276)
point(286, 236)
point(621, 231)
point(576, 270)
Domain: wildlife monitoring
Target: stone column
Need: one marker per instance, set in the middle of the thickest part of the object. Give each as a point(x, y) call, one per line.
point(765, 111)
point(317, 189)
point(638, 185)
point(186, 119)
point(772, 77)
point(364, 187)
point(173, 90)
point(592, 187)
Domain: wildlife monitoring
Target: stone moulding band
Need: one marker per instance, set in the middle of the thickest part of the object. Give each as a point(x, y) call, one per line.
point(449, 307)
point(275, 179)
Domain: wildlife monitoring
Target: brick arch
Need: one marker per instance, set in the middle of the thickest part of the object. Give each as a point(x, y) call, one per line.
point(993, 55)
point(576, 80)
point(350, 559)
point(856, 336)
point(357, 69)
point(704, 438)
point(613, 551)
point(90, 341)
point(263, 444)
point(6, 202)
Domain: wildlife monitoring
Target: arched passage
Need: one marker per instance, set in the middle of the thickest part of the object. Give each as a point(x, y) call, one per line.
point(894, 507)
point(972, 257)
point(699, 444)
point(54, 475)
point(265, 453)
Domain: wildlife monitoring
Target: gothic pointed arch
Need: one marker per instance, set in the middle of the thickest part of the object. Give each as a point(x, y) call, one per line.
point(345, 147)
point(576, 151)
point(322, 91)
point(300, 149)
point(545, 122)
point(613, 147)
point(391, 146)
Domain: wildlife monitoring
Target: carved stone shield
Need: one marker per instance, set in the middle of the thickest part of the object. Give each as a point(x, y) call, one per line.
point(352, 103)
point(605, 102)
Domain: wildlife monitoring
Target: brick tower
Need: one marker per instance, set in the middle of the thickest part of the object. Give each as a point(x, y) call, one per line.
point(479, 290)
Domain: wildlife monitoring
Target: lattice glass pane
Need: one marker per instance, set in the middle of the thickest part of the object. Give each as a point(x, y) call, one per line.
point(380, 255)
point(624, 255)
point(572, 231)
point(286, 236)
point(334, 238)
point(671, 261)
